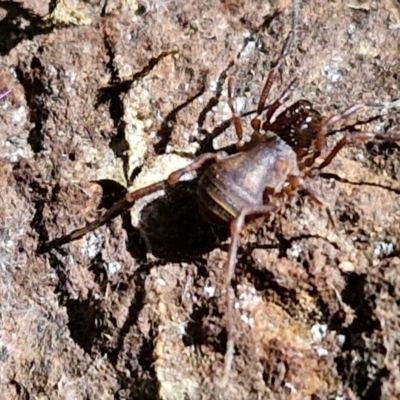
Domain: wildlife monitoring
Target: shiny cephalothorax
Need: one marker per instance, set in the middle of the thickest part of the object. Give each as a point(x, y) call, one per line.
point(278, 158)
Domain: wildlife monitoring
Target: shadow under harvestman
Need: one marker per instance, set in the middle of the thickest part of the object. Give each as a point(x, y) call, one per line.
point(278, 160)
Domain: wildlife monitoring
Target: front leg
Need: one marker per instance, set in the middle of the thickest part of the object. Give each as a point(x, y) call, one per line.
point(235, 227)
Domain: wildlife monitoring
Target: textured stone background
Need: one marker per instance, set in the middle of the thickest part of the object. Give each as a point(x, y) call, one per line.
point(108, 94)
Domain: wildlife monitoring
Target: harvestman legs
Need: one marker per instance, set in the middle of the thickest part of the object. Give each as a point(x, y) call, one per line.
point(237, 224)
point(236, 227)
point(127, 201)
point(360, 137)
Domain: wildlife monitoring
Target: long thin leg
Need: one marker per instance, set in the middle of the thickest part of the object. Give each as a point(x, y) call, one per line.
point(278, 102)
point(235, 118)
point(333, 119)
point(358, 137)
point(125, 203)
point(256, 123)
point(316, 199)
point(275, 67)
point(271, 75)
point(235, 227)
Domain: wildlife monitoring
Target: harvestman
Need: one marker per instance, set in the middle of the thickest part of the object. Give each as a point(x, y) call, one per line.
point(278, 159)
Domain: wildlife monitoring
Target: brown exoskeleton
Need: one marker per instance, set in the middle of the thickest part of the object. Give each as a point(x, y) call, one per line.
point(279, 158)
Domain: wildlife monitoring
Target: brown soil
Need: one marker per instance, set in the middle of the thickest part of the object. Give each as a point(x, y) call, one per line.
point(110, 94)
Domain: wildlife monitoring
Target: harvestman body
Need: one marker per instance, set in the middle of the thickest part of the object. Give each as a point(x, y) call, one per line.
point(232, 188)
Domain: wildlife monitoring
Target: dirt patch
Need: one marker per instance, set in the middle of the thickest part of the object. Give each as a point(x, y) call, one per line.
point(105, 95)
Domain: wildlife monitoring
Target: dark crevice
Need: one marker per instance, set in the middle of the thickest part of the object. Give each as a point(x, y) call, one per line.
point(83, 318)
point(100, 275)
point(34, 93)
point(355, 365)
point(347, 214)
point(142, 380)
point(204, 329)
point(117, 88)
point(168, 123)
point(265, 281)
point(364, 324)
point(38, 194)
point(267, 21)
point(135, 244)
point(112, 192)
point(329, 175)
point(215, 99)
point(113, 94)
point(22, 391)
point(387, 148)
point(135, 307)
point(355, 127)
point(141, 383)
point(206, 145)
point(284, 244)
point(19, 24)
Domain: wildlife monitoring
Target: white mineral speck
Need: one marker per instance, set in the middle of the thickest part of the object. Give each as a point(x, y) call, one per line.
point(19, 114)
point(322, 352)
point(209, 291)
point(113, 267)
point(341, 339)
point(318, 332)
